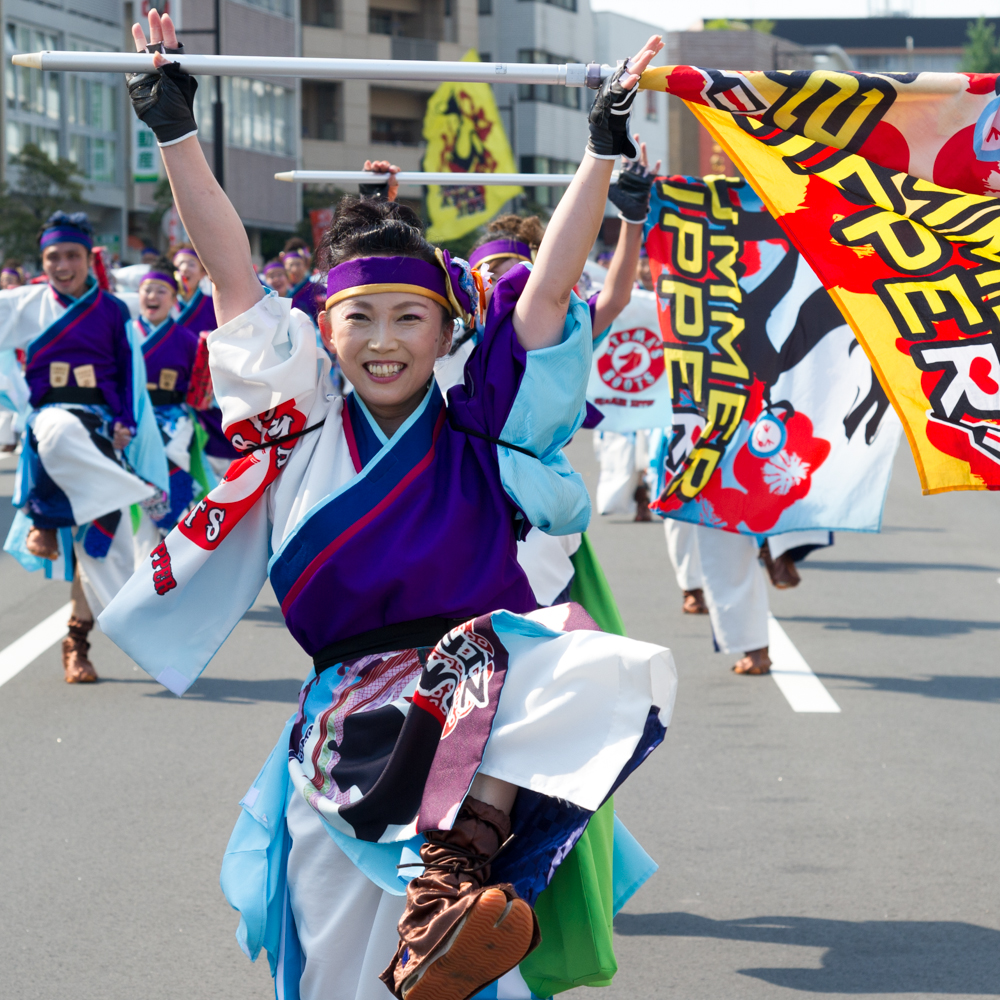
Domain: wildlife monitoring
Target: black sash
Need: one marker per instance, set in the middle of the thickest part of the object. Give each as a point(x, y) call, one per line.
point(387, 639)
point(74, 394)
point(163, 397)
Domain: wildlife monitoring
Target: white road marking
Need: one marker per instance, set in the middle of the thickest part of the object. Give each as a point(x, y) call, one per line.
point(800, 686)
point(32, 644)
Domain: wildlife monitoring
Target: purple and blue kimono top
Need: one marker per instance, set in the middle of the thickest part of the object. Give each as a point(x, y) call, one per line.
point(198, 313)
point(169, 351)
point(72, 345)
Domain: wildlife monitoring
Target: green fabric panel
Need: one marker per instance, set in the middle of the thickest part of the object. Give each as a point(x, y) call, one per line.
point(197, 451)
point(575, 916)
point(590, 588)
point(135, 516)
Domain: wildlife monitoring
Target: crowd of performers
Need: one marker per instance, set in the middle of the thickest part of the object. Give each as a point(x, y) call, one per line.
point(441, 800)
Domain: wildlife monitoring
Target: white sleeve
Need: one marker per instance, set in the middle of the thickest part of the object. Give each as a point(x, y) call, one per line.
point(262, 358)
point(19, 321)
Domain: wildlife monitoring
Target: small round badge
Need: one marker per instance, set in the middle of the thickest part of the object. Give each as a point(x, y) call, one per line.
point(767, 436)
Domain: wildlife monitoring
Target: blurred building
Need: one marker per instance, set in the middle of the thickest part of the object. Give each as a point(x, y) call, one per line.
point(887, 44)
point(345, 123)
point(83, 117)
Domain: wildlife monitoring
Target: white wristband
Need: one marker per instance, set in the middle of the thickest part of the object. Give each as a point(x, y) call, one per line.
point(601, 156)
point(173, 142)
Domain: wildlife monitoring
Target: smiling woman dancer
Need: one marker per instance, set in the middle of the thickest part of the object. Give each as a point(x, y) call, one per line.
point(433, 721)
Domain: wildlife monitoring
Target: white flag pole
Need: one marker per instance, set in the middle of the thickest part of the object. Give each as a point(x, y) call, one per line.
point(566, 74)
point(414, 177)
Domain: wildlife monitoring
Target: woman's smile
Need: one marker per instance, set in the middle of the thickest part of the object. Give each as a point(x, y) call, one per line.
point(384, 371)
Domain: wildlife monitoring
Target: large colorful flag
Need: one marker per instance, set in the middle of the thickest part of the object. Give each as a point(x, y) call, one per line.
point(464, 133)
point(778, 421)
point(887, 184)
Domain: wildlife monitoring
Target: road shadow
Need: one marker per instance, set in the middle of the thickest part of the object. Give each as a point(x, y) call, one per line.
point(898, 626)
point(238, 692)
point(866, 566)
point(963, 688)
point(870, 956)
point(265, 616)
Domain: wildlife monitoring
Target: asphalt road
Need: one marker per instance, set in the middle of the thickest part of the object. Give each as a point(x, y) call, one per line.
point(838, 855)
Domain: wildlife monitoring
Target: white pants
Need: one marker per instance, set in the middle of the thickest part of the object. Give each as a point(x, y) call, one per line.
point(724, 565)
point(346, 923)
point(103, 578)
point(623, 458)
point(8, 433)
point(780, 544)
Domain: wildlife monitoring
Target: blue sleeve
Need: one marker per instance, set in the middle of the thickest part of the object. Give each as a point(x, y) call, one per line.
point(547, 411)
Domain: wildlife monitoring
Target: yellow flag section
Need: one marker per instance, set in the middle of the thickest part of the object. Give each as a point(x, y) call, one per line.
point(914, 268)
point(464, 133)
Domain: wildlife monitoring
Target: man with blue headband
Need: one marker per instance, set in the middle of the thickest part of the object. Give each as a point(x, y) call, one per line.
point(82, 464)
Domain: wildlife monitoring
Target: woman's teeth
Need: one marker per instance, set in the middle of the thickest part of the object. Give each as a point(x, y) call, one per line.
point(384, 369)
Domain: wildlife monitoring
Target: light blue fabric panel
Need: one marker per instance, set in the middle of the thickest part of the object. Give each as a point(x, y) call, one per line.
point(631, 866)
point(548, 410)
point(145, 451)
point(378, 861)
point(253, 869)
point(14, 544)
point(14, 392)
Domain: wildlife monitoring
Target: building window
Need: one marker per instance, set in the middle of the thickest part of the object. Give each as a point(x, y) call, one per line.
point(652, 106)
point(393, 22)
point(565, 4)
point(258, 115)
point(283, 7)
point(567, 97)
point(485, 7)
point(31, 95)
point(92, 120)
point(397, 116)
point(547, 196)
point(397, 131)
point(486, 57)
point(322, 111)
point(323, 13)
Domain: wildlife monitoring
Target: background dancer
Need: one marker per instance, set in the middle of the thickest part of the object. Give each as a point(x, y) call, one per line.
point(169, 350)
point(448, 528)
point(196, 311)
point(296, 258)
point(275, 277)
point(89, 398)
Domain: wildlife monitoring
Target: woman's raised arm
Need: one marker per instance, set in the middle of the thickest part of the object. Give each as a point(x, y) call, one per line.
point(540, 313)
point(164, 100)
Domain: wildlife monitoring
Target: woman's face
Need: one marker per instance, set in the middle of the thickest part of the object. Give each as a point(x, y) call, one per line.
point(189, 271)
point(276, 278)
point(498, 268)
point(295, 268)
point(8, 280)
point(387, 344)
point(156, 299)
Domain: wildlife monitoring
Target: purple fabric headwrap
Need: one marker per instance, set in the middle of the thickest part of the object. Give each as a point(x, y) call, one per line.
point(65, 234)
point(370, 275)
point(497, 249)
point(11, 270)
point(168, 279)
point(273, 266)
point(186, 250)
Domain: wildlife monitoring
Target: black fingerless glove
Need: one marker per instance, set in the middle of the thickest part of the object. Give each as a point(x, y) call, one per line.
point(609, 135)
point(630, 193)
point(164, 100)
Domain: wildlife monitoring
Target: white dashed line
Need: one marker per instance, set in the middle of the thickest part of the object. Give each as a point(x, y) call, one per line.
point(32, 644)
point(800, 686)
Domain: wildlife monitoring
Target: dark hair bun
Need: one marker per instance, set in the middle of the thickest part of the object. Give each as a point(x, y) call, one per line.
point(162, 264)
point(364, 227)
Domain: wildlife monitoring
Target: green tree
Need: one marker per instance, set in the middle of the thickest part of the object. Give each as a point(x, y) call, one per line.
point(981, 54)
point(40, 187)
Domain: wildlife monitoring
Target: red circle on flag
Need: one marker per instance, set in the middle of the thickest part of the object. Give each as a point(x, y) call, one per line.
point(632, 360)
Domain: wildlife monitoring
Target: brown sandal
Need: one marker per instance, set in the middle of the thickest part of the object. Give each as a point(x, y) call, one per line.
point(641, 497)
point(458, 934)
point(755, 663)
point(782, 570)
point(75, 647)
point(694, 602)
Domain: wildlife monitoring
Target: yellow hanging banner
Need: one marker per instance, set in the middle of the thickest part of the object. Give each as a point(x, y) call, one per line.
point(464, 133)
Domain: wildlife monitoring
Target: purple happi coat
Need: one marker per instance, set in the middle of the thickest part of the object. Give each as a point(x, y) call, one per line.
point(88, 344)
point(169, 351)
point(303, 297)
point(198, 313)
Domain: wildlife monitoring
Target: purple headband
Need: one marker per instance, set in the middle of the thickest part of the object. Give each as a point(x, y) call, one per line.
point(65, 234)
point(301, 253)
point(496, 249)
point(168, 279)
point(186, 250)
point(273, 266)
point(440, 282)
point(11, 270)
